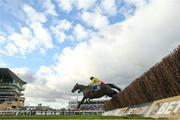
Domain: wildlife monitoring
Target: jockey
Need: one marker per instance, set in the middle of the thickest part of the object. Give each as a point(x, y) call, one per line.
point(95, 83)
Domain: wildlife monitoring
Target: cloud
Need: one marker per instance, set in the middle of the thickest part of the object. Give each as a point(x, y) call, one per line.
point(25, 74)
point(59, 28)
point(94, 19)
point(63, 25)
point(108, 7)
point(138, 3)
point(131, 6)
point(59, 35)
point(20, 42)
point(32, 15)
point(82, 4)
point(31, 37)
point(26, 41)
point(2, 38)
point(80, 32)
point(65, 5)
point(49, 8)
point(39, 89)
point(42, 35)
point(11, 49)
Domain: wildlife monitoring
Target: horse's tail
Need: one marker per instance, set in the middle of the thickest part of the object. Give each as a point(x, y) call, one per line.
point(113, 86)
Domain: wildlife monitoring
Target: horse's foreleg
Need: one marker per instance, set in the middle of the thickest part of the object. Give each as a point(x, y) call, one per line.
point(89, 100)
point(81, 102)
point(111, 93)
point(79, 91)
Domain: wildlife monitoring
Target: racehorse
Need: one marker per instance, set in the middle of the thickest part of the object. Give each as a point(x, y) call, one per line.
point(106, 89)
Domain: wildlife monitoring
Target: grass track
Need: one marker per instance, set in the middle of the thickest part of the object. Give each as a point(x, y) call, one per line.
point(71, 117)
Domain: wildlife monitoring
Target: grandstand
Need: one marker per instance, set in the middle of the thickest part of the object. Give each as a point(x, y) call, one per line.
point(39, 107)
point(11, 88)
point(96, 105)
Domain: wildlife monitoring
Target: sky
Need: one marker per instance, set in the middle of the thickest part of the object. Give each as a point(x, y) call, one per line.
point(54, 44)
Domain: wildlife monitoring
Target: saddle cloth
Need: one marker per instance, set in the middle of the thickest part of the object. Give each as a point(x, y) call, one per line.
point(98, 86)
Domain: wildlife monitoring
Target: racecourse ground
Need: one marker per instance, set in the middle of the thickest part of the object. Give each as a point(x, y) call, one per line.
point(72, 117)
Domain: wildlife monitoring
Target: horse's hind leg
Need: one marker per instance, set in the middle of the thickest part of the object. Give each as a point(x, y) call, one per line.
point(111, 93)
point(89, 100)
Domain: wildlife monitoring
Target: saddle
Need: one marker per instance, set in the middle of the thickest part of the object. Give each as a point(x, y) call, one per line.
point(98, 86)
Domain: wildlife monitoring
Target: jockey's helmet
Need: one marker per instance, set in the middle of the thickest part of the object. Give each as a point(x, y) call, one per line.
point(91, 78)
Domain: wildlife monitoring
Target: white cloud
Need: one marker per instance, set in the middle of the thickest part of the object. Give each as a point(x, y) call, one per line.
point(32, 15)
point(85, 4)
point(65, 5)
point(29, 39)
point(11, 49)
point(59, 28)
point(20, 42)
point(59, 35)
point(25, 74)
point(138, 3)
point(45, 71)
point(42, 35)
point(94, 19)
point(131, 6)
point(109, 7)
point(2, 38)
point(63, 25)
point(38, 82)
point(26, 41)
point(80, 32)
point(49, 7)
